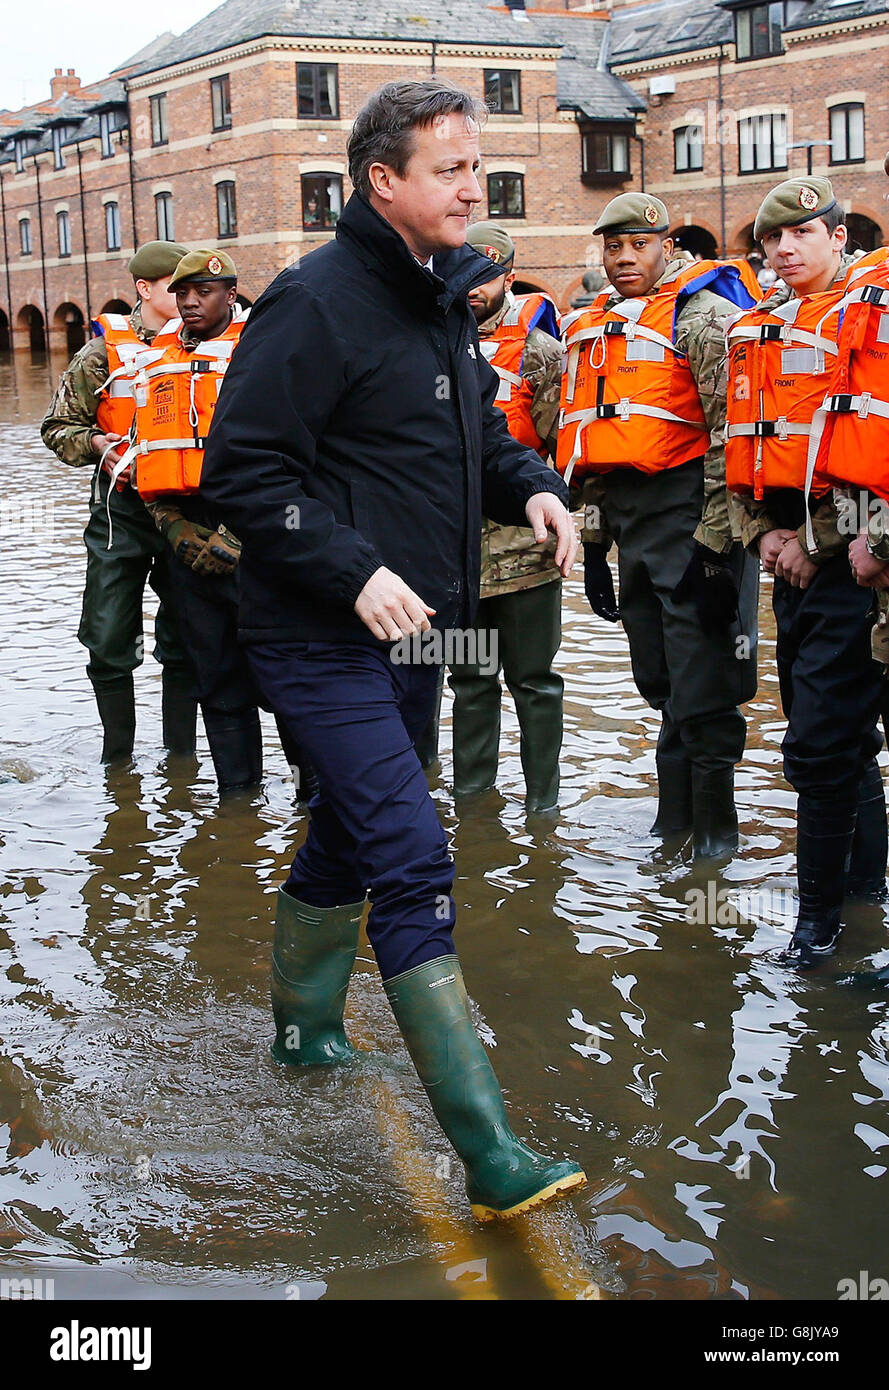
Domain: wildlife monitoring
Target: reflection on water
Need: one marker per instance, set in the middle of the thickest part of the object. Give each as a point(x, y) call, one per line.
point(732, 1117)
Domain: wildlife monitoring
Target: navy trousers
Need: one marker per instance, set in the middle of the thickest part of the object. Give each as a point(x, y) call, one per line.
point(374, 828)
point(830, 684)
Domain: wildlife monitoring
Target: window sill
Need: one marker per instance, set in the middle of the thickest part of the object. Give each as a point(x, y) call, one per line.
point(844, 163)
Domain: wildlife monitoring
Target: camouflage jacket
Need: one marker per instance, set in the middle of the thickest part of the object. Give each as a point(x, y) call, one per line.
point(511, 558)
point(700, 334)
point(832, 535)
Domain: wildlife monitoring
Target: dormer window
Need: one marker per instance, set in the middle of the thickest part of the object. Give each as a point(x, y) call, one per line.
point(59, 132)
point(758, 31)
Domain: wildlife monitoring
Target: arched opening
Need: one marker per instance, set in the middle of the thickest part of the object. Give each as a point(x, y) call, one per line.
point(244, 302)
point(69, 327)
point(30, 323)
point(116, 306)
point(743, 241)
point(697, 241)
point(4, 332)
point(864, 233)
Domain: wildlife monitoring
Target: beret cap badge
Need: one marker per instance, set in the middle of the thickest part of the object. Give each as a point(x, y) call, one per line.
point(214, 265)
point(650, 213)
point(808, 198)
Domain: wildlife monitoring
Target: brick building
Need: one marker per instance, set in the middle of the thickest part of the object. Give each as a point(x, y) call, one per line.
point(234, 133)
point(741, 95)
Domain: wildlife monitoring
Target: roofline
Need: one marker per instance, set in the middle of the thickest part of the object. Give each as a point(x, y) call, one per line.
point(351, 38)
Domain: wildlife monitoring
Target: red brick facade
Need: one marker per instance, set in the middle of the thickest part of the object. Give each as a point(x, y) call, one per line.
point(269, 149)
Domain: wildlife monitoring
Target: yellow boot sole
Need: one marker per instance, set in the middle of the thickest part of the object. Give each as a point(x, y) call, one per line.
point(569, 1183)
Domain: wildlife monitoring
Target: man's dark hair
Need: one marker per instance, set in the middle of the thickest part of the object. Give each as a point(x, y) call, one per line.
point(833, 218)
point(384, 128)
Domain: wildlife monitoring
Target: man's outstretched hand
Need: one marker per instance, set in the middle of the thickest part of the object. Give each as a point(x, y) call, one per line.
point(546, 513)
point(390, 608)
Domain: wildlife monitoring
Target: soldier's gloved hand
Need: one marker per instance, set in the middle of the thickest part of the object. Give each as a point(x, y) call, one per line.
point(598, 584)
point(709, 583)
point(220, 554)
point(187, 540)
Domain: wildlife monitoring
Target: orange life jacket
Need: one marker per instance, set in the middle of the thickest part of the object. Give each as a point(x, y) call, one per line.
point(505, 351)
point(629, 399)
point(782, 359)
point(117, 403)
point(176, 391)
point(853, 423)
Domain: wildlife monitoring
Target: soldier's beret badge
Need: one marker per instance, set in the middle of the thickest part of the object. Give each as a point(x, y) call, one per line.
point(650, 213)
point(214, 265)
point(808, 198)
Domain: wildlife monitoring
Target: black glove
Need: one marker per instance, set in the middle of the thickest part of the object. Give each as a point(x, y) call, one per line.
point(708, 581)
point(598, 584)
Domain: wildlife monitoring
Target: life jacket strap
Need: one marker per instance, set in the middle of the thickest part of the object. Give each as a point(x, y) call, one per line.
point(781, 428)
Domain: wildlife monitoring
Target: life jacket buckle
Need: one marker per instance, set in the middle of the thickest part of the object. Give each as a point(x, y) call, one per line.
point(781, 427)
point(605, 410)
point(771, 332)
point(201, 364)
point(874, 294)
point(840, 403)
point(615, 328)
point(864, 405)
point(624, 408)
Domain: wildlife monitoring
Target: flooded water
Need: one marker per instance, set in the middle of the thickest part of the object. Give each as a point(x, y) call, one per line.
point(731, 1115)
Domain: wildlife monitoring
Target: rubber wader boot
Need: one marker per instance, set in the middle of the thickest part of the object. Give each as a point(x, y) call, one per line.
point(312, 959)
point(674, 803)
point(426, 742)
point(235, 740)
point(503, 1176)
point(541, 727)
point(714, 818)
point(475, 731)
point(117, 710)
point(179, 710)
point(823, 843)
point(866, 873)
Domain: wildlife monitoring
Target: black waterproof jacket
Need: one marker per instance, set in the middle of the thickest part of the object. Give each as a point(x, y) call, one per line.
point(356, 427)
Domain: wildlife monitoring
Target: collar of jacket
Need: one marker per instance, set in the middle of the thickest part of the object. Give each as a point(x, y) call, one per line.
point(385, 252)
point(138, 326)
point(490, 326)
point(784, 292)
point(680, 261)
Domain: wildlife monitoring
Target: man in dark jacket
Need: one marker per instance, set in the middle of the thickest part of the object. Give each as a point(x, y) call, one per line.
point(355, 446)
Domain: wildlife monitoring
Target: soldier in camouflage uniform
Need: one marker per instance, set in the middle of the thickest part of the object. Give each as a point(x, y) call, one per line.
point(519, 612)
point(830, 686)
point(688, 591)
point(111, 621)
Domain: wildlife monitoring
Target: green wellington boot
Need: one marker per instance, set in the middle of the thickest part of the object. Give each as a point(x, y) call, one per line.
point(179, 712)
point(117, 710)
point(312, 959)
point(503, 1176)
